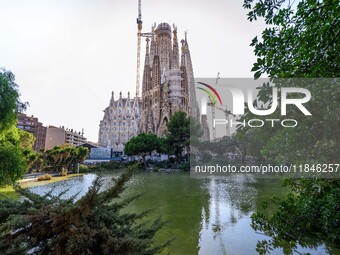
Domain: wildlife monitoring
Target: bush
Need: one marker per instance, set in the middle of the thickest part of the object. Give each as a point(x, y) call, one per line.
point(84, 169)
point(112, 165)
point(136, 166)
point(162, 164)
point(185, 166)
point(45, 177)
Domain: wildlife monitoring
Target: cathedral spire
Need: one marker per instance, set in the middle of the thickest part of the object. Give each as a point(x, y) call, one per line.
point(136, 110)
point(120, 100)
point(112, 101)
point(183, 53)
point(175, 51)
point(153, 44)
point(147, 55)
point(128, 103)
point(147, 68)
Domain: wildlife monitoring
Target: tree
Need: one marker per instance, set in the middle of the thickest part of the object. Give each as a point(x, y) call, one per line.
point(26, 143)
point(143, 145)
point(10, 102)
point(12, 162)
point(26, 139)
point(95, 224)
point(78, 156)
point(300, 43)
point(64, 157)
point(182, 131)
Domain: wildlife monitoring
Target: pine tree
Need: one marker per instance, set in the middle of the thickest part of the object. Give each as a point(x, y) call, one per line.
point(94, 224)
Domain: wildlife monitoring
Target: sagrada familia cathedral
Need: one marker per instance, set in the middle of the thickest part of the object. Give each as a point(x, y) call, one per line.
point(168, 80)
point(168, 86)
point(120, 123)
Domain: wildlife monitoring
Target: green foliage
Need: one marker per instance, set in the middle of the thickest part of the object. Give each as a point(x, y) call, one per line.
point(227, 144)
point(184, 166)
point(312, 210)
point(36, 160)
point(12, 163)
point(65, 157)
point(178, 136)
point(143, 144)
point(300, 42)
point(84, 168)
point(182, 131)
point(26, 139)
point(315, 139)
point(9, 100)
point(95, 224)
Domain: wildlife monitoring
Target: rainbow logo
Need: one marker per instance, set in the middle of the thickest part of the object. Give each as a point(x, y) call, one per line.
point(209, 92)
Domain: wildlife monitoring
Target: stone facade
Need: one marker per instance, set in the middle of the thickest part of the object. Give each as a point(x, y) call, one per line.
point(168, 80)
point(120, 122)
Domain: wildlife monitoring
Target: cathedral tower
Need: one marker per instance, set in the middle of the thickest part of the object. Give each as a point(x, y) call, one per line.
point(168, 83)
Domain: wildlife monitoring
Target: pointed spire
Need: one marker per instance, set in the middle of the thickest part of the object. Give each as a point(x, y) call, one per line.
point(128, 102)
point(112, 101)
point(136, 107)
point(120, 101)
point(147, 57)
point(183, 53)
point(156, 43)
point(175, 50)
point(152, 45)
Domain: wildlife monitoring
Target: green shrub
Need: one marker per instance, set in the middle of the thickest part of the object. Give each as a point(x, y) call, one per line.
point(45, 177)
point(185, 166)
point(136, 166)
point(84, 169)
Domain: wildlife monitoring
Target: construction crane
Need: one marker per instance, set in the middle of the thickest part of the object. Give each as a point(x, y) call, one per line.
point(224, 109)
point(139, 38)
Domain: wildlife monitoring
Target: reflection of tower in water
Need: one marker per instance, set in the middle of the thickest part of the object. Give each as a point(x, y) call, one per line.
point(217, 227)
point(231, 199)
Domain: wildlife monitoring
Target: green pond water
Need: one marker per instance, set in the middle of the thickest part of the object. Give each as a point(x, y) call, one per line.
point(205, 216)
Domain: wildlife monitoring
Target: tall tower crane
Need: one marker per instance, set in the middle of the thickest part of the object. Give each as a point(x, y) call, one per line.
point(139, 27)
point(139, 37)
point(224, 109)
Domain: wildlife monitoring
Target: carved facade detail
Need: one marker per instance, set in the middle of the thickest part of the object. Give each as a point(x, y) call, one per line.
point(168, 83)
point(120, 122)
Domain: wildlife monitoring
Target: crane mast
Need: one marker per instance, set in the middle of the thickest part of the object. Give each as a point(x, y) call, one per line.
point(225, 110)
point(139, 35)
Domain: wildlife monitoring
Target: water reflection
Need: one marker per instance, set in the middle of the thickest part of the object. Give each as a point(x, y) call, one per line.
point(225, 227)
point(76, 186)
point(205, 216)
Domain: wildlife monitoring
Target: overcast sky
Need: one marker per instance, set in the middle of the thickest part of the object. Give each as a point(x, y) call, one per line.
point(68, 55)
